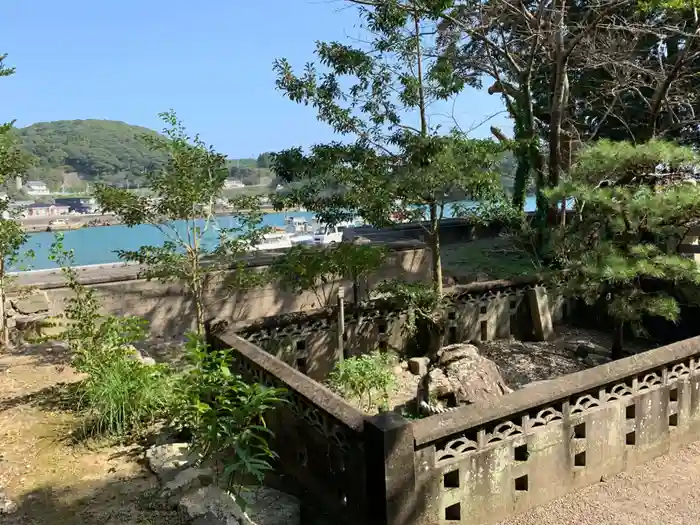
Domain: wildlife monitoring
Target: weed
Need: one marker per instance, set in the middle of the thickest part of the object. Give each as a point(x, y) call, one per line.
point(225, 414)
point(367, 378)
point(120, 394)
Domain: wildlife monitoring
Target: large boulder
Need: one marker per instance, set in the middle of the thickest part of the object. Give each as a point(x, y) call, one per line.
point(263, 506)
point(167, 460)
point(462, 376)
point(185, 481)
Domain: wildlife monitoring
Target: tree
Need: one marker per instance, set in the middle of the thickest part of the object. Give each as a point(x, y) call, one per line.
point(263, 160)
point(185, 193)
point(634, 206)
point(97, 150)
point(641, 81)
point(393, 160)
point(13, 162)
point(319, 269)
point(531, 52)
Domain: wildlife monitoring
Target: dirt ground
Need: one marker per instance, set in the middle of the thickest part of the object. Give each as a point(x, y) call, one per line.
point(52, 480)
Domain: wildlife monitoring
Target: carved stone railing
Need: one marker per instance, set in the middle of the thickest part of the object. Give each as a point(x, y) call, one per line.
point(318, 436)
point(481, 463)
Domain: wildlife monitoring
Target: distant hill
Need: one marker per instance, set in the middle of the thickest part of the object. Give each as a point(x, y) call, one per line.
point(70, 151)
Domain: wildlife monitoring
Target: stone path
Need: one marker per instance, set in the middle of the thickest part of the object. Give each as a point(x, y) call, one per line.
point(665, 491)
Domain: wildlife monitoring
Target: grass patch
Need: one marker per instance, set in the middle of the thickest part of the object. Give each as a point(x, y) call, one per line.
point(122, 396)
point(487, 259)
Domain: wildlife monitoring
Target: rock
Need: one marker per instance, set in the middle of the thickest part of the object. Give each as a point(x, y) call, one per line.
point(32, 304)
point(465, 376)
point(211, 506)
point(7, 506)
point(418, 365)
point(448, 280)
point(134, 353)
point(186, 481)
point(263, 506)
point(267, 506)
point(167, 460)
point(583, 348)
point(30, 322)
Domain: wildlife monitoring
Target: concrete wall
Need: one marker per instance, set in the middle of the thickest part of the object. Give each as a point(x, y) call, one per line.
point(480, 464)
point(310, 343)
point(169, 311)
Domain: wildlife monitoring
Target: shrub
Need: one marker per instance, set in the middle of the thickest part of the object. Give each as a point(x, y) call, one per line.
point(120, 394)
point(367, 378)
point(225, 415)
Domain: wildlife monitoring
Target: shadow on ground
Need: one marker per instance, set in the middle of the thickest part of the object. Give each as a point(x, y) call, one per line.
point(130, 501)
point(61, 397)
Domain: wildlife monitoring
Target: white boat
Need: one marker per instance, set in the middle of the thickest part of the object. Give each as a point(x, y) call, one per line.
point(276, 240)
point(299, 229)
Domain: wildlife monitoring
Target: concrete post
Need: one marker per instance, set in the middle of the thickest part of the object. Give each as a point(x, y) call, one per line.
point(392, 498)
point(340, 352)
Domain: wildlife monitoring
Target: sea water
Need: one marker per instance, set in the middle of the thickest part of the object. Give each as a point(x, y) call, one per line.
point(100, 244)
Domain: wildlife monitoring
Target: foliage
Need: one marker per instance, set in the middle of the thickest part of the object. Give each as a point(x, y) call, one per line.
point(184, 194)
point(394, 162)
point(421, 302)
point(100, 150)
point(318, 269)
point(367, 378)
point(104, 151)
point(225, 415)
point(624, 239)
point(496, 211)
point(13, 161)
point(120, 394)
point(12, 238)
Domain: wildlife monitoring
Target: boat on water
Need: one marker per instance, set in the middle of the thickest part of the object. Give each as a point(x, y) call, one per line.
point(298, 230)
point(278, 239)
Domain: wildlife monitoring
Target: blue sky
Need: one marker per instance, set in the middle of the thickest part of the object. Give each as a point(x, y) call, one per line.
point(209, 60)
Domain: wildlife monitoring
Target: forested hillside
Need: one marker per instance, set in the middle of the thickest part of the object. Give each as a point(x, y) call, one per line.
point(68, 151)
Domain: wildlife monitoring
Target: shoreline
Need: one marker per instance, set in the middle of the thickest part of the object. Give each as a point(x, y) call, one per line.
point(75, 222)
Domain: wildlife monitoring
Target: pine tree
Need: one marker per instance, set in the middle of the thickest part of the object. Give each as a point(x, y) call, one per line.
point(634, 205)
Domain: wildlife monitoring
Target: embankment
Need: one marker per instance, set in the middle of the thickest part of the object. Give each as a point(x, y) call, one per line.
point(166, 306)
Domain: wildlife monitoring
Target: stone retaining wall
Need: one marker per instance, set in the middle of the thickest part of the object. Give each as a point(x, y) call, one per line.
point(122, 292)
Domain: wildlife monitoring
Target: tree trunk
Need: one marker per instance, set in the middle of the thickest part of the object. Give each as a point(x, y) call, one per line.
point(3, 312)
point(435, 250)
point(522, 173)
point(616, 350)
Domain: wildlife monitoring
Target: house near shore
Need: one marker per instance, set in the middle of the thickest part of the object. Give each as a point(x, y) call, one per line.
point(36, 188)
point(46, 210)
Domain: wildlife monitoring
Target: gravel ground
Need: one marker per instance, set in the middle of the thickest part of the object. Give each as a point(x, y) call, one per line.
point(665, 491)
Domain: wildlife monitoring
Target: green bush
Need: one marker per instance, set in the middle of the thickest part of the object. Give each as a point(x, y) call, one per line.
point(368, 379)
point(120, 394)
point(225, 415)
